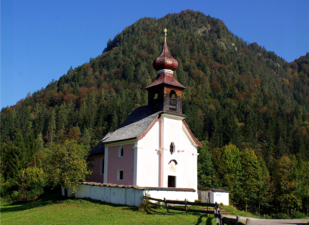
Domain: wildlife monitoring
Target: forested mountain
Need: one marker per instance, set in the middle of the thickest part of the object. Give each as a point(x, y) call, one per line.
point(239, 96)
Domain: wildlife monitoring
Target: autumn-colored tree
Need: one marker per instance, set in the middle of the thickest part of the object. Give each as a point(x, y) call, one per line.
point(31, 182)
point(66, 164)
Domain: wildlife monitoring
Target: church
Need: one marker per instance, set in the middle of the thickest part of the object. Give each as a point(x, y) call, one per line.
point(154, 146)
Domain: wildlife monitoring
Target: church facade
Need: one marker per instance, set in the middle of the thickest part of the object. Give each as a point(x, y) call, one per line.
point(154, 146)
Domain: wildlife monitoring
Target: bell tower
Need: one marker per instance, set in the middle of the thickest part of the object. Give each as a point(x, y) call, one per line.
point(165, 92)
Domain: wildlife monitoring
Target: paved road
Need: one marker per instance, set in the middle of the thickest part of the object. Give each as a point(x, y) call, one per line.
point(254, 221)
point(275, 222)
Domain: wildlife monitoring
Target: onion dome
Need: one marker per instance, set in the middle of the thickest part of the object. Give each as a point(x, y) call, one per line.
point(165, 65)
point(165, 62)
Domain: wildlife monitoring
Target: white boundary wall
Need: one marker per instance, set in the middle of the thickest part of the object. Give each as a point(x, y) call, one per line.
point(127, 196)
point(173, 195)
point(219, 197)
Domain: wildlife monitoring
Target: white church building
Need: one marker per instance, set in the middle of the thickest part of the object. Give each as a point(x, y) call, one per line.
point(153, 149)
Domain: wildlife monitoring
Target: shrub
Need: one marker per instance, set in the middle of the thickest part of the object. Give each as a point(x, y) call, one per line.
point(299, 215)
point(280, 216)
point(9, 190)
point(145, 205)
point(266, 216)
point(6, 187)
point(31, 183)
point(66, 164)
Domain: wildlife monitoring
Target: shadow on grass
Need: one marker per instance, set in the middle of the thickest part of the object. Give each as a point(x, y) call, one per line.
point(55, 197)
point(209, 221)
point(46, 199)
point(200, 219)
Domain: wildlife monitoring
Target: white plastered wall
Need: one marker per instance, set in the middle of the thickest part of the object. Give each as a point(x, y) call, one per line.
point(148, 158)
point(185, 153)
point(173, 195)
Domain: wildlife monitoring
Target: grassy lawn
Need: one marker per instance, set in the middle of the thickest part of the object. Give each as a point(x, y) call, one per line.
point(53, 209)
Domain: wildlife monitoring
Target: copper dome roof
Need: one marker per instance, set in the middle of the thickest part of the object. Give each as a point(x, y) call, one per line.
point(165, 60)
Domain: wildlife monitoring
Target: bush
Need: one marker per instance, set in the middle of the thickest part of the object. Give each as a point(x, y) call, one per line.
point(6, 187)
point(299, 215)
point(266, 216)
point(31, 183)
point(280, 216)
point(9, 190)
point(145, 205)
point(66, 164)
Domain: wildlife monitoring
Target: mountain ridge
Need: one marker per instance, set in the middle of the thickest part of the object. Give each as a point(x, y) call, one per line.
point(248, 107)
point(221, 71)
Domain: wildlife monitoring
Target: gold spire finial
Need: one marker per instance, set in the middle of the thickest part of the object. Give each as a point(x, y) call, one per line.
point(165, 33)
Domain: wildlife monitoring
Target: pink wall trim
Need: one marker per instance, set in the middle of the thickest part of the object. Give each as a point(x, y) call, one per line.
point(96, 162)
point(125, 163)
point(161, 157)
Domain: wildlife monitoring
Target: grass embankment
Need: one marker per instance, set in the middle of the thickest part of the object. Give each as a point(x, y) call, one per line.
point(54, 209)
point(231, 210)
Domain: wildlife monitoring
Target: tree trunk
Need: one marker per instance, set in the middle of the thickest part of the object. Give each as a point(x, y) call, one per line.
point(66, 192)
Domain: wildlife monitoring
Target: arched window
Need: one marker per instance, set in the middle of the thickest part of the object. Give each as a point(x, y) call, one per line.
point(173, 101)
point(172, 148)
point(155, 96)
point(173, 95)
point(173, 160)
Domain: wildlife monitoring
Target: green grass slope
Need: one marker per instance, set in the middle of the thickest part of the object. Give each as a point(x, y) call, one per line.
point(54, 209)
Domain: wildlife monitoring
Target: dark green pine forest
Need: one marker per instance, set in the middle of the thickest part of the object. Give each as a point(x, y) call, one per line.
point(248, 107)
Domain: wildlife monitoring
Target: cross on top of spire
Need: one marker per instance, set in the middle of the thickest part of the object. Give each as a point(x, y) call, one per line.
point(165, 33)
point(165, 63)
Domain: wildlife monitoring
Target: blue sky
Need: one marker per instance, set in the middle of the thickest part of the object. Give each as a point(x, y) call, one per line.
point(41, 40)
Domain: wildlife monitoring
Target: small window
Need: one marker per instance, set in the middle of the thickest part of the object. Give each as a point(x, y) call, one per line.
point(155, 96)
point(172, 148)
point(102, 166)
point(120, 175)
point(173, 95)
point(120, 152)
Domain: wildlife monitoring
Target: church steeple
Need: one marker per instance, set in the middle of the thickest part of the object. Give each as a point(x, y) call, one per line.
point(165, 92)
